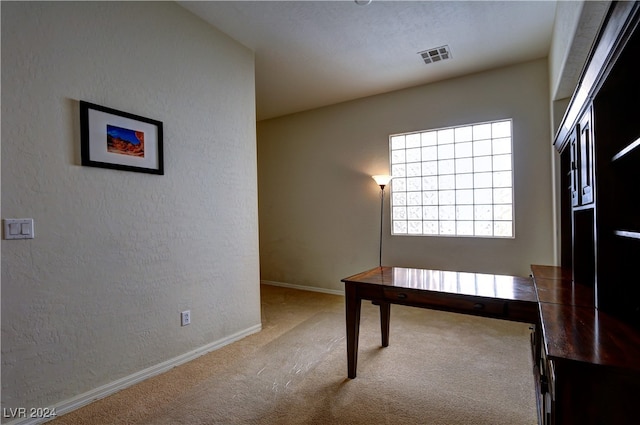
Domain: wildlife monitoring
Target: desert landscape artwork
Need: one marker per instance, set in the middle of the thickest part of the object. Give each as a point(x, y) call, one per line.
point(124, 141)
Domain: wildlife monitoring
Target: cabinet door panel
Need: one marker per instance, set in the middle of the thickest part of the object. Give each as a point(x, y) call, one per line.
point(586, 158)
point(575, 161)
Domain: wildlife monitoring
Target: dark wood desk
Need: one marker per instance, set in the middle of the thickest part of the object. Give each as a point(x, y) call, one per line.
point(504, 297)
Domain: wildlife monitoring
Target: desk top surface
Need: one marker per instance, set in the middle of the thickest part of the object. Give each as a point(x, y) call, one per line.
point(451, 282)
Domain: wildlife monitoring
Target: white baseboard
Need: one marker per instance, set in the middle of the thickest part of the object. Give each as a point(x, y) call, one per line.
point(303, 287)
point(115, 386)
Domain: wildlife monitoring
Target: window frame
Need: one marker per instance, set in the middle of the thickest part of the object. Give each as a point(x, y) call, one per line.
point(456, 208)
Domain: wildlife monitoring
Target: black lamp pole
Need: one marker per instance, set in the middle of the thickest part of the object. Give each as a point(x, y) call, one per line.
point(381, 220)
point(382, 181)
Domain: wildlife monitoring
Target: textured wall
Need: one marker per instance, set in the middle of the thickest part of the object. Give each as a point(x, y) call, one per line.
point(96, 296)
point(574, 31)
point(319, 207)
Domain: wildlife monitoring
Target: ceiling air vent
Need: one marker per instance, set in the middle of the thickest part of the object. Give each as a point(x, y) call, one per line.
point(435, 55)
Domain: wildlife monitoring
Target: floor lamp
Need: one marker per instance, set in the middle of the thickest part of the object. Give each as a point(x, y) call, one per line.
point(382, 181)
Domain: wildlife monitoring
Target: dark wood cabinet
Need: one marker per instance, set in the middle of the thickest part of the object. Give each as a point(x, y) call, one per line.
point(599, 146)
point(581, 170)
point(588, 350)
point(617, 152)
point(587, 361)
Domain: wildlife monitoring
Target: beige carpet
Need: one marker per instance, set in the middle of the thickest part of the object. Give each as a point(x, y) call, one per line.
point(440, 368)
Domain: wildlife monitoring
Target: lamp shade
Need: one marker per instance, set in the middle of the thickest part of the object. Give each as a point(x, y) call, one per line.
point(382, 180)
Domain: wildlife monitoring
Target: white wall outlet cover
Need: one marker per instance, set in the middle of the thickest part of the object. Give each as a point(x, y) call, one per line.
point(185, 318)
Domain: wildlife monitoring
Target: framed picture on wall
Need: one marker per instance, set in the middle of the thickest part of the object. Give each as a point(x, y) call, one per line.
point(120, 140)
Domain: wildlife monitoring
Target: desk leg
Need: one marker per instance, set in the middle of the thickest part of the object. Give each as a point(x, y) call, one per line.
point(353, 305)
point(385, 314)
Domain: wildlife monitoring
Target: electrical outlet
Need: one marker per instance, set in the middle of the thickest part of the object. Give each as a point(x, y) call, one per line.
point(185, 317)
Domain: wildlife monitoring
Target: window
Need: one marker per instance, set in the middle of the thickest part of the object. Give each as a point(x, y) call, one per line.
point(454, 181)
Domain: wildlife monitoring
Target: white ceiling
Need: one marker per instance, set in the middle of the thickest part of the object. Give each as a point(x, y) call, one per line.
point(315, 53)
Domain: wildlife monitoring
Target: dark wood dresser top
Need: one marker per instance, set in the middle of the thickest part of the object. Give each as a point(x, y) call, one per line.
point(554, 285)
point(574, 330)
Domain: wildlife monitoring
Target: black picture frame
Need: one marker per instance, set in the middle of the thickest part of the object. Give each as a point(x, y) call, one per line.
point(120, 140)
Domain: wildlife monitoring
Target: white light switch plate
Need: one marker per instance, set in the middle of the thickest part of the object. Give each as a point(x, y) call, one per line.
point(18, 228)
